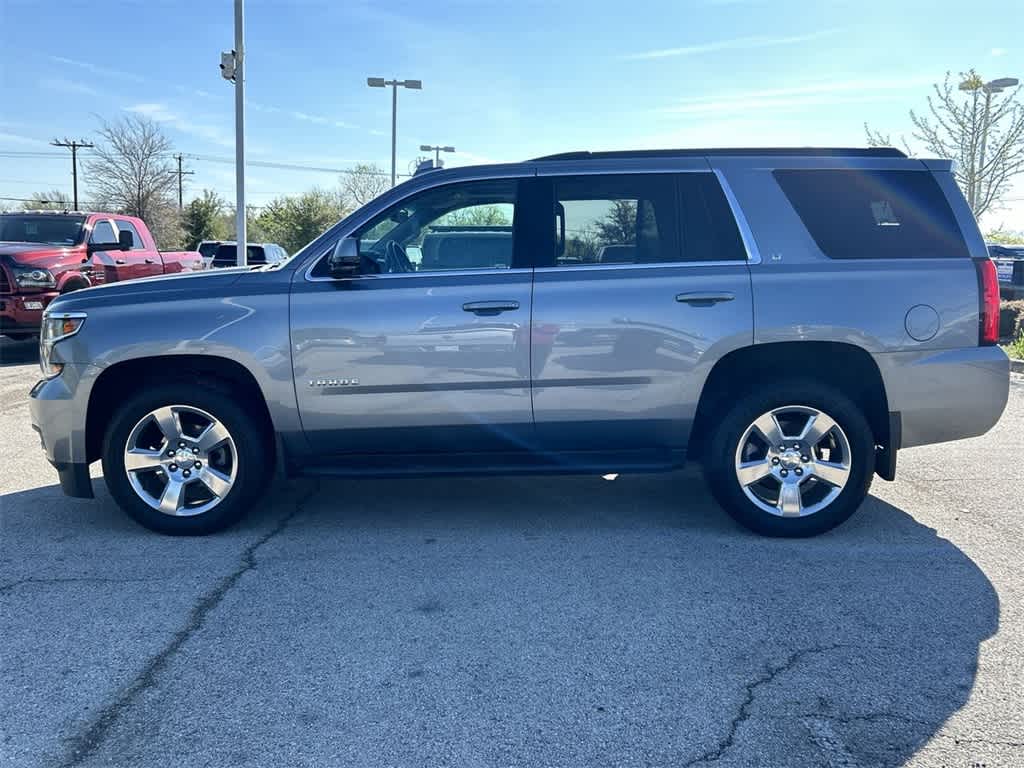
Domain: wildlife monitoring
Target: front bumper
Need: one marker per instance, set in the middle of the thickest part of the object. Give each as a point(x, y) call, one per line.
point(58, 408)
point(23, 312)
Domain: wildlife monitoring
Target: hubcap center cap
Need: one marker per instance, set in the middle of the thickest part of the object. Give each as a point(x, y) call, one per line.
point(790, 459)
point(184, 457)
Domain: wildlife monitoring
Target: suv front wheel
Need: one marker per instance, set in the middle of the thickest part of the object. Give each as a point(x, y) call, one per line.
point(185, 460)
point(792, 459)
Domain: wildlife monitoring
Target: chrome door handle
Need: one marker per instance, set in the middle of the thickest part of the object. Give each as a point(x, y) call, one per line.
point(704, 298)
point(489, 307)
point(151, 261)
point(120, 261)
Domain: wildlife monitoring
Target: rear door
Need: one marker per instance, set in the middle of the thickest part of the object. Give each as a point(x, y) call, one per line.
point(648, 286)
point(429, 349)
point(142, 260)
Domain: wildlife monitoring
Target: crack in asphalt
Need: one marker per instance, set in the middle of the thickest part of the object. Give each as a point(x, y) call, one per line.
point(772, 672)
point(12, 585)
point(92, 738)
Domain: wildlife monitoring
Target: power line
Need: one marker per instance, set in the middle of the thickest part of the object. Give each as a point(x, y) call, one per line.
point(73, 146)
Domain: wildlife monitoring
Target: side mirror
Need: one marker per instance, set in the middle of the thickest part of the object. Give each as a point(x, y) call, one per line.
point(125, 240)
point(344, 259)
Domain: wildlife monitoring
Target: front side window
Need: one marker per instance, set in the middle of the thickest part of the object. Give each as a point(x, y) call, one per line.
point(874, 214)
point(457, 226)
point(103, 232)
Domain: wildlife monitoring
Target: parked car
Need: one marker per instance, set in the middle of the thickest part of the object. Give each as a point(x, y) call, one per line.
point(45, 254)
point(1009, 260)
point(791, 318)
point(224, 253)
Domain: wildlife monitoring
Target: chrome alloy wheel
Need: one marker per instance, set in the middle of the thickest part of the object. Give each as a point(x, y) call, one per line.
point(180, 460)
point(793, 461)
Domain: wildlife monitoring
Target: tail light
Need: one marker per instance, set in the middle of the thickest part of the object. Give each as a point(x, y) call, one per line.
point(988, 300)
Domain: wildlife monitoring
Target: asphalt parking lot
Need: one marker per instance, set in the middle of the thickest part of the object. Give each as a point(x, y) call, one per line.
point(515, 622)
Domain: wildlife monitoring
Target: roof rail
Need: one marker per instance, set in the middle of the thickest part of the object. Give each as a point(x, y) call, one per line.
point(735, 152)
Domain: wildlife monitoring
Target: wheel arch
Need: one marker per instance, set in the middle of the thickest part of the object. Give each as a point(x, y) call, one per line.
point(847, 367)
point(123, 378)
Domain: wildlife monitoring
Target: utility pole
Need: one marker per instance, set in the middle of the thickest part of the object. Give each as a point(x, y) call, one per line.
point(74, 147)
point(180, 174)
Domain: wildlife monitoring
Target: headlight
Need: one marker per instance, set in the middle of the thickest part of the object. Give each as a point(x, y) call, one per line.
point(33, 277)
point(55, 327)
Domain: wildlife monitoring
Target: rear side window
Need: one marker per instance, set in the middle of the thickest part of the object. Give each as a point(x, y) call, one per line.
point(709, 230)
point(127, 226)
point(874, 214)
point(616, 219)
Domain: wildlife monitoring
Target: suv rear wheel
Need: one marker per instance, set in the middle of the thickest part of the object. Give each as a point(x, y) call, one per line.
point(184, 460)
point(792, 460)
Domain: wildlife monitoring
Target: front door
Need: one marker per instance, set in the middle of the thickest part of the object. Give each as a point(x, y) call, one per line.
point(649, 285)
point(428, 349)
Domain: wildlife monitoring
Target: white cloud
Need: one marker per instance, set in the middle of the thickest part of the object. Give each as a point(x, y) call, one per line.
point(68, 86)
point(996, 52)
point(755, 41)
point(98, 70)
point(27, 141)
point(161, 113)
point(797, 97)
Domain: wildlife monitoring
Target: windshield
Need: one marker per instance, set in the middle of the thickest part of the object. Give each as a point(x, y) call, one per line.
point(52, 230)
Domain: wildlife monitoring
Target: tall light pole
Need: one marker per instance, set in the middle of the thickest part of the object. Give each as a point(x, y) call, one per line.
point(232, 68)
point(974, 85)
point(437, 150)
point(380, 82)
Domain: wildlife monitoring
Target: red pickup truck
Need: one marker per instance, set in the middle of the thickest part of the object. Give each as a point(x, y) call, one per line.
point(44, 254)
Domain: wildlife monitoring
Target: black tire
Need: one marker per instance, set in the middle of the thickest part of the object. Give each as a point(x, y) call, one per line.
point(253, 446)
point(721, 456)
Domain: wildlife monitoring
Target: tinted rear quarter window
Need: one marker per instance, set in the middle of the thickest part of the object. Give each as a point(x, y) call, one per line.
point(874, 214)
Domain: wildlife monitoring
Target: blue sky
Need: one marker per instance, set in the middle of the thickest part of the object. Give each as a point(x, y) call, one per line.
point(502, 81)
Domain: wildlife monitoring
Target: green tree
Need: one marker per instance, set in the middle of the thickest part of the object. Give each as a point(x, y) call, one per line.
point(476, 216)
point(204, 219)
point(294, 221)
point(54, 200)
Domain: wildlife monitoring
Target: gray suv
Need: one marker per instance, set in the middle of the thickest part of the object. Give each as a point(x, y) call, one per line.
point(790, 318)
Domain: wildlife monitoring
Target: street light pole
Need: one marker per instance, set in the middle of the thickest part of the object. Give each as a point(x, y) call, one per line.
point(380, 82)
point(437, 150)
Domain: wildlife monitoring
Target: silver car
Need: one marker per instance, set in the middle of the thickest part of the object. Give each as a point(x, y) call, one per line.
point(791, 318)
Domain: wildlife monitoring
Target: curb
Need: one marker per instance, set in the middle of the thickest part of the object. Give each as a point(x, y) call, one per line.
point(1017, 366)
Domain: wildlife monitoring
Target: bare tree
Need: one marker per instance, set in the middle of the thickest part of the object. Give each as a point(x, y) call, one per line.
point(54, 200)
point(363, 183)
point(979, 127)
point(132, 169)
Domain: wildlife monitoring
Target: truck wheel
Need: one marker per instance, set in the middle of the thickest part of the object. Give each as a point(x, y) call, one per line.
point(184, 460)
point(791, 459)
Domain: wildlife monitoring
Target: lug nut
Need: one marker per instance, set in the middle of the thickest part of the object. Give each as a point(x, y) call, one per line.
point(805, 459)
point(775, 460)
point(170, 453)
point(784, 473)
point(798, 471)
point(181, 443)
point(195, 450)
point(198, 464)
point(782, 448)
point(173, 467)
point(186, 473)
